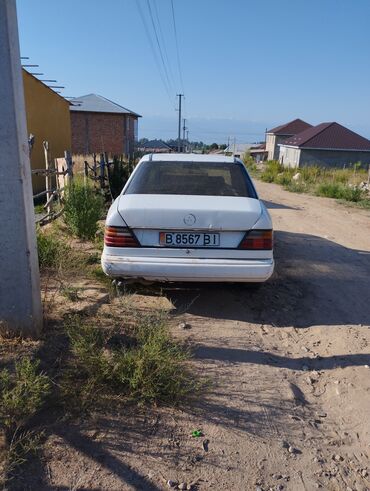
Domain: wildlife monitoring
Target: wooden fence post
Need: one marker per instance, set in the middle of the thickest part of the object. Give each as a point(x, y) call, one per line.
point(69, 164)
point(102, 170)
point(45, 144)
point(86, 172)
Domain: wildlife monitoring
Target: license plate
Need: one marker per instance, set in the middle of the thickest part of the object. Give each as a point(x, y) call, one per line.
point(188, 239)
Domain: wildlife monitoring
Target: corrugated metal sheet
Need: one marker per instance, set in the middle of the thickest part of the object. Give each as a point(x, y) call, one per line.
point(291, 128)
point(98, 104)
point(329, 136)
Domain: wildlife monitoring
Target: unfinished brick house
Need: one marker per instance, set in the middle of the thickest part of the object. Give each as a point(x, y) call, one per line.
point(100, 125)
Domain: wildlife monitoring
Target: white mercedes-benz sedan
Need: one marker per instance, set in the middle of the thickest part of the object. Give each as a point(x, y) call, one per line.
point(189, 217)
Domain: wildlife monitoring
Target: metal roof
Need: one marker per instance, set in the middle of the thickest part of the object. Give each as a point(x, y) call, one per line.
point(187, 157)
point(291, 128)
point(331, 136)
point(159, 144)
point(95, 103)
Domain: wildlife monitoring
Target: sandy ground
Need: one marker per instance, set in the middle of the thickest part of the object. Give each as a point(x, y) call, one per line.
point(289, 404)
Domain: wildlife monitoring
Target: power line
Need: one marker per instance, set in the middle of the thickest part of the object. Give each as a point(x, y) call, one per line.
point(177, 46)
point(179, 126)
point(146, 28)
point(163, 42)
point(159, 44)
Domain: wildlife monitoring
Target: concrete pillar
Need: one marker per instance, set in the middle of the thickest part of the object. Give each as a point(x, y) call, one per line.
point(20, 300)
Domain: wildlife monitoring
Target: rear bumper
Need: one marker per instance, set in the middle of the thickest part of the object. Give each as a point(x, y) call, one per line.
point(187, 269)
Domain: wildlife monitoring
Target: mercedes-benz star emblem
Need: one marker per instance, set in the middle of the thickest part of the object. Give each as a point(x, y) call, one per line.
point(189, 219)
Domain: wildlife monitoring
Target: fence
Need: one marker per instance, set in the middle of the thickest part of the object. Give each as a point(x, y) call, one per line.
point(57, 175)
point(108, 176)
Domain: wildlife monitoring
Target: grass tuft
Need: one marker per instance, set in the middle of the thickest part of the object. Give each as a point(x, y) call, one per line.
point(50, 250)
point(22, 396)
point(82, 210)
point(144, 364)
point(340, 191)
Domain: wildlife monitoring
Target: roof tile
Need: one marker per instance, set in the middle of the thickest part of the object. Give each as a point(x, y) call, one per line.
point(98, 104)
point(329, 136)
point(291, 128)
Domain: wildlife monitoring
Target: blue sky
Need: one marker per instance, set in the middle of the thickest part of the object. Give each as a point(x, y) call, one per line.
point(246, 64)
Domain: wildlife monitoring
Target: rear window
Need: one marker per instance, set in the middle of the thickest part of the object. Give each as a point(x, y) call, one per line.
point(188, 178)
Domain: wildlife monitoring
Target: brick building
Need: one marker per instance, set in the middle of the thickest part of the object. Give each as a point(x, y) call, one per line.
point(100, 125)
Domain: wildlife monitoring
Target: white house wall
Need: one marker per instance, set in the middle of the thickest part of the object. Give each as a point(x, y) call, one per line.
point(289, 156)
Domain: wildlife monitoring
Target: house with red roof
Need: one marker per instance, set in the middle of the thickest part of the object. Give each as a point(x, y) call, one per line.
point(327, 144)
point(280, 133)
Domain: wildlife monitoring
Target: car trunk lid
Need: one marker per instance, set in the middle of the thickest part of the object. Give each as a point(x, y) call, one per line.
point(174, 212)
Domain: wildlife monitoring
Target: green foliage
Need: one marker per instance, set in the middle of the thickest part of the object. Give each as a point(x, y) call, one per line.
point(83, 208)
point(70, 293)
point(39, 209)
point(22, 445)
point(146, 365)
point(50, 250)
point(339, 191)
point(118, 175)
point(250, 164)
point(284, 178)
point(296, 187)
point(273, 168)
point(23, 396)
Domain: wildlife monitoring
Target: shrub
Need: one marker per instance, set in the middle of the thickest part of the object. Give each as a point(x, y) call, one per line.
point(50, 250)
point(273, 168)
point(118, 175)
point(284, 178)
point(296, 187)
point(23, 396)
point(83, 208)
point(310, 174)
point(145, 364)
point(339, 191)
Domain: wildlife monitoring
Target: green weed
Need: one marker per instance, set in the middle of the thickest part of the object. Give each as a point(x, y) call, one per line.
point(296, 187)
point(144, 364)
point(339, 191)
point(23, 395)
point(70, 293)
point(273, 168)
point(22, 445)
point(83, 208)
point(50, 250)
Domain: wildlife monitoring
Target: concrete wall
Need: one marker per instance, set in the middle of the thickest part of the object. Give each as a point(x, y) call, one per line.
point(272, 145)
point(289, 157)
point(102, 132)
point(333, 158)
point(48, 119)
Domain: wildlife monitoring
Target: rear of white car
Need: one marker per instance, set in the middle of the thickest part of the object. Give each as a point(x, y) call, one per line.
point(185, 217)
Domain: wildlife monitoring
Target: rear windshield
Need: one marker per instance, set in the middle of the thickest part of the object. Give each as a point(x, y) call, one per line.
point(188, 178)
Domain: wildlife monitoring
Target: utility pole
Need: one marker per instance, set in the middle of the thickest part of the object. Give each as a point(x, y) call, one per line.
point(20, 299)
point(184, 128)
point(179, 128)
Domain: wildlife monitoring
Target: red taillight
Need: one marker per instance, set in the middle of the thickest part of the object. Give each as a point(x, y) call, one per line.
point(119, 237)
point(257, 240)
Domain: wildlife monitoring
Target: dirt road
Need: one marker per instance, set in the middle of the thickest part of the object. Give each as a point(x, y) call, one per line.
point(289, 404)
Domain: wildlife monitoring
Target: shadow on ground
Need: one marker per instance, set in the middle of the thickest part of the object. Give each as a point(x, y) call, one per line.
point(236, 355)
point(316, 282)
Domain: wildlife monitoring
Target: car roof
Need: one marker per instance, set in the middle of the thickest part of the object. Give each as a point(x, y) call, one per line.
point(188, 157)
